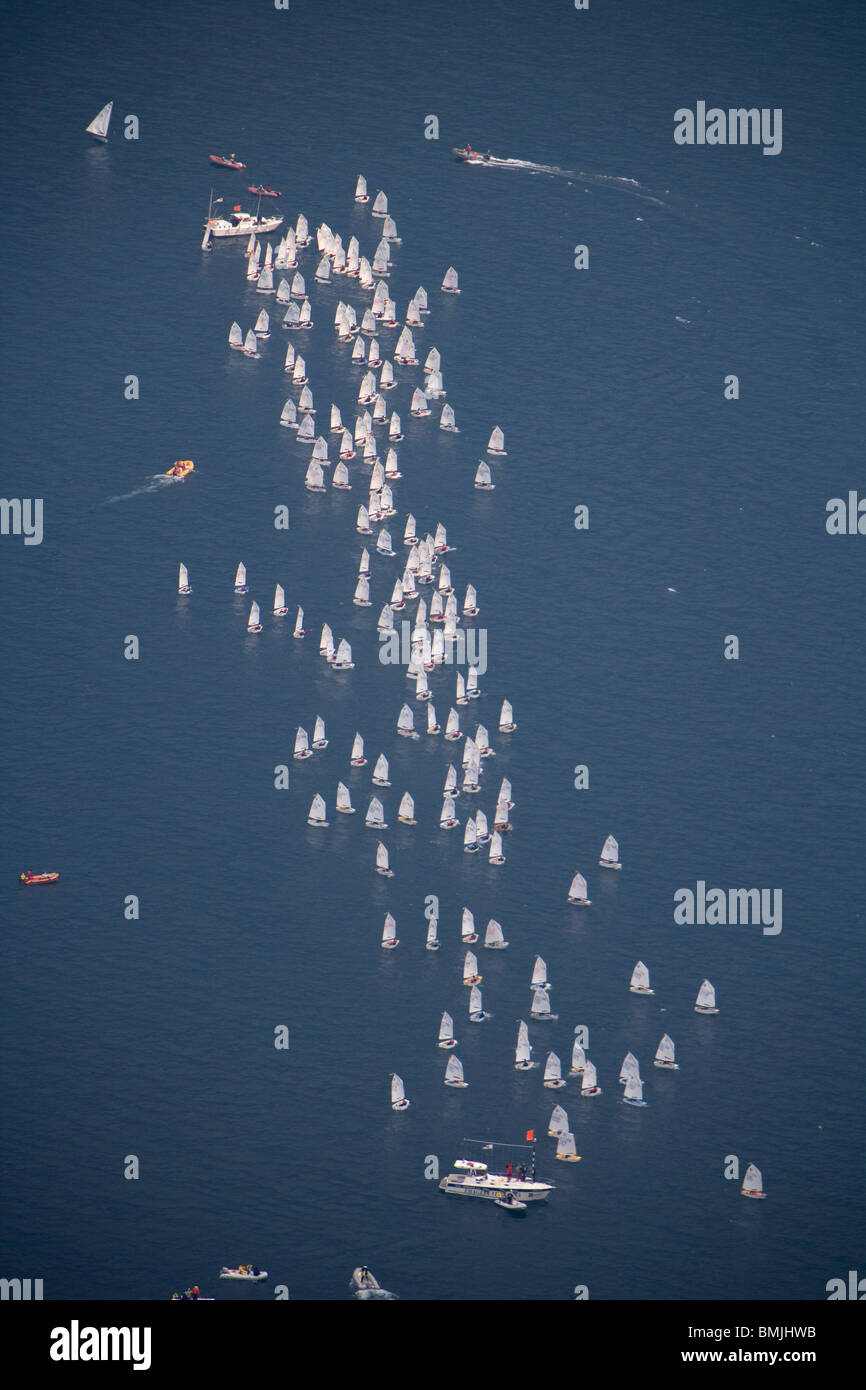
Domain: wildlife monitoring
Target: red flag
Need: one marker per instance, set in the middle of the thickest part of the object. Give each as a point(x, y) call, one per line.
point(238, 208)
point(530, 1136)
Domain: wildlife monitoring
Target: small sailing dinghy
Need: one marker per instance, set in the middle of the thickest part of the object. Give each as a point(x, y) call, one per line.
point(299, 630)
point(565, 1148)
point(630, 1067)
point(302, 744)
point(433, 934)
point(280, 609)
point(383, 866)
point(447, 1039)
point(577, 891)
point(558, 1122)
point(343, 658)
point(344, 800)
point(361, 195)
point(633, 1093)
point(98, 127)
point(523, 1051)
point(236, 337)
point(380, 205)
point(610, 854)
point(398, 1093)
point(493, 938)
point(448, 820)
point(506, 718)
point(639, 983)
point(578, 1059)
point(665, 1054)
point(483, 477)
point(375, 817)
point(356, 758)
point(183, 585)
point(706, 1001)
point(454, 1074)
point(476, 1008)
point(541, 1006)
point(496, 442)
point(753, 1183)
point(553, 1073)
point(241, 579)
point(589, 1084)
point(389, 933)
point(319, 739)
point(406, 810)
point(406, 723)
point(450, 281)
point(468, 934)
point(496, 856)
point(318, 812)
point(470, 837)
point(254, 620)
point(539, 975)
point(470, 970)
point(381, 772)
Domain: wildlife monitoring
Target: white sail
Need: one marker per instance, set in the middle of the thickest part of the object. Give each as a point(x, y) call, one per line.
point(406, 721)
point(539, 974)
point(578, 1058)
point(467, 925)
point(183, 580)
point(284, 292)
point(483, 476)
point(540, 1004)
point(99, 125)
point(394, 427)
point(493, 936)
point(362, 591)
point(589, 1080)
point(470, 969)
point(265, 283)
point(706, 997)
point(299, 624)
point(361, 189)
point(344, 799)
point(319, 738)
point(343, 660)
point(753, 1183)
point(398, 1093)
point(630, 1067)
point(236, 336)
point(314, 480)
point(448, 817)
point(254, 622)
point(389, 931)
point(380, 771)
point(251, 345)
point(496, 856)
point(633, 1089)
point(433, 934)
point(375, 816)
point(577, 891)
point(446, 1028)
point(454, 1072)
point(610, 854)
point(640, 979)
point(447, 419)
point(565, 1146)
point(317, 811)
point(552, 1068)
point(496, 442)
point(279, 602)
point(289, 414)
point(419, 403)
point(665, 1052)
point(476, 1007)
point(302, 741)
point(558, 1122)
point(523, 1051)
point(452, 726)
point(382, 859)
point(506, 717)
point(450, 281)
point(380, 205)
point(470, 836)
point(357, 749)
point(262, 327)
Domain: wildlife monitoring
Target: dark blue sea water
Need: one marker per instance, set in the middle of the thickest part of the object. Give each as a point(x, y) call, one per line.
point(155, 777)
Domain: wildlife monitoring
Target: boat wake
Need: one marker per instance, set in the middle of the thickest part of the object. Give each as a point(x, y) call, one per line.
point(156, 484)
point(612, 181)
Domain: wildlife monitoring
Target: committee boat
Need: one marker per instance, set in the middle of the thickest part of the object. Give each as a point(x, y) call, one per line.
point(240, 223)
point(474, 1178)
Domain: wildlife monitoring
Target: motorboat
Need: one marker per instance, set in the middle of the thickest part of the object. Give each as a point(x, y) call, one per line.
point(240, 223)
point(180, 468)
point(473, 1179)
point(264, 191)
point(28, 877)
point(249, 1273)
point(226, 162)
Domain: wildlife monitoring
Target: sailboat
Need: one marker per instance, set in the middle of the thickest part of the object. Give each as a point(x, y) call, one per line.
point(299, 624)
point(610, 854)
point(361, 195)
point(344, 800)
point(447, 420)
point(633, 1093)
point(389, 933)
point(433, 934)
point(406, 810)
point(470, 837)
point(418, 407)
point(375, 817)
point(577, 891)
point(302, 744)
point(450, 281)
point(454, 1074)
point(326, 642)
point(251, 345)
point(380, 772)
point(753, 1183)
point(398, 1093)
point(314, 480)
point(356, 758)
point(383, 866)
point(578, 1059)
point(468, 934)
point(361, 597)
point(241, 579)
point(589, 1085)
point(493, 937)
point(483, 477)
point(523, 1051)
point(665, 1054)
point(558, 1122)
point(539, 975)
point(280, 609)
point(406, 723)
point(343, 658)
point(541, 1006)
point(496, 856)
point(639, 983)
point(289, 415)
point(183, 585)
point(565, 1148)
point(470, 970)
point(706, 1001)
point(236, 337)
point(476, 1008)
point(446, 1032)
point(448, 820)
point(265, 285)
point(630, 1067)
point(319, 739)
point(318, 811)
point(254, 620)
point(99, 125)
point(380, 205)
point(496, 442)
point(553, 1073)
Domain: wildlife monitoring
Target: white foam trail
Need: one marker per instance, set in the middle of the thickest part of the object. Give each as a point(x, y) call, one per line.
point(158, 481)
point(613, 181)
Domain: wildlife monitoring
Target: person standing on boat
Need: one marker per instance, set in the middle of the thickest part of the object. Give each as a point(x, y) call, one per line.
point(509, 1169)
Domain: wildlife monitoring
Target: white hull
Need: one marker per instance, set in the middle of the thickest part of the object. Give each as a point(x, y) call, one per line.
point(493, 1185)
